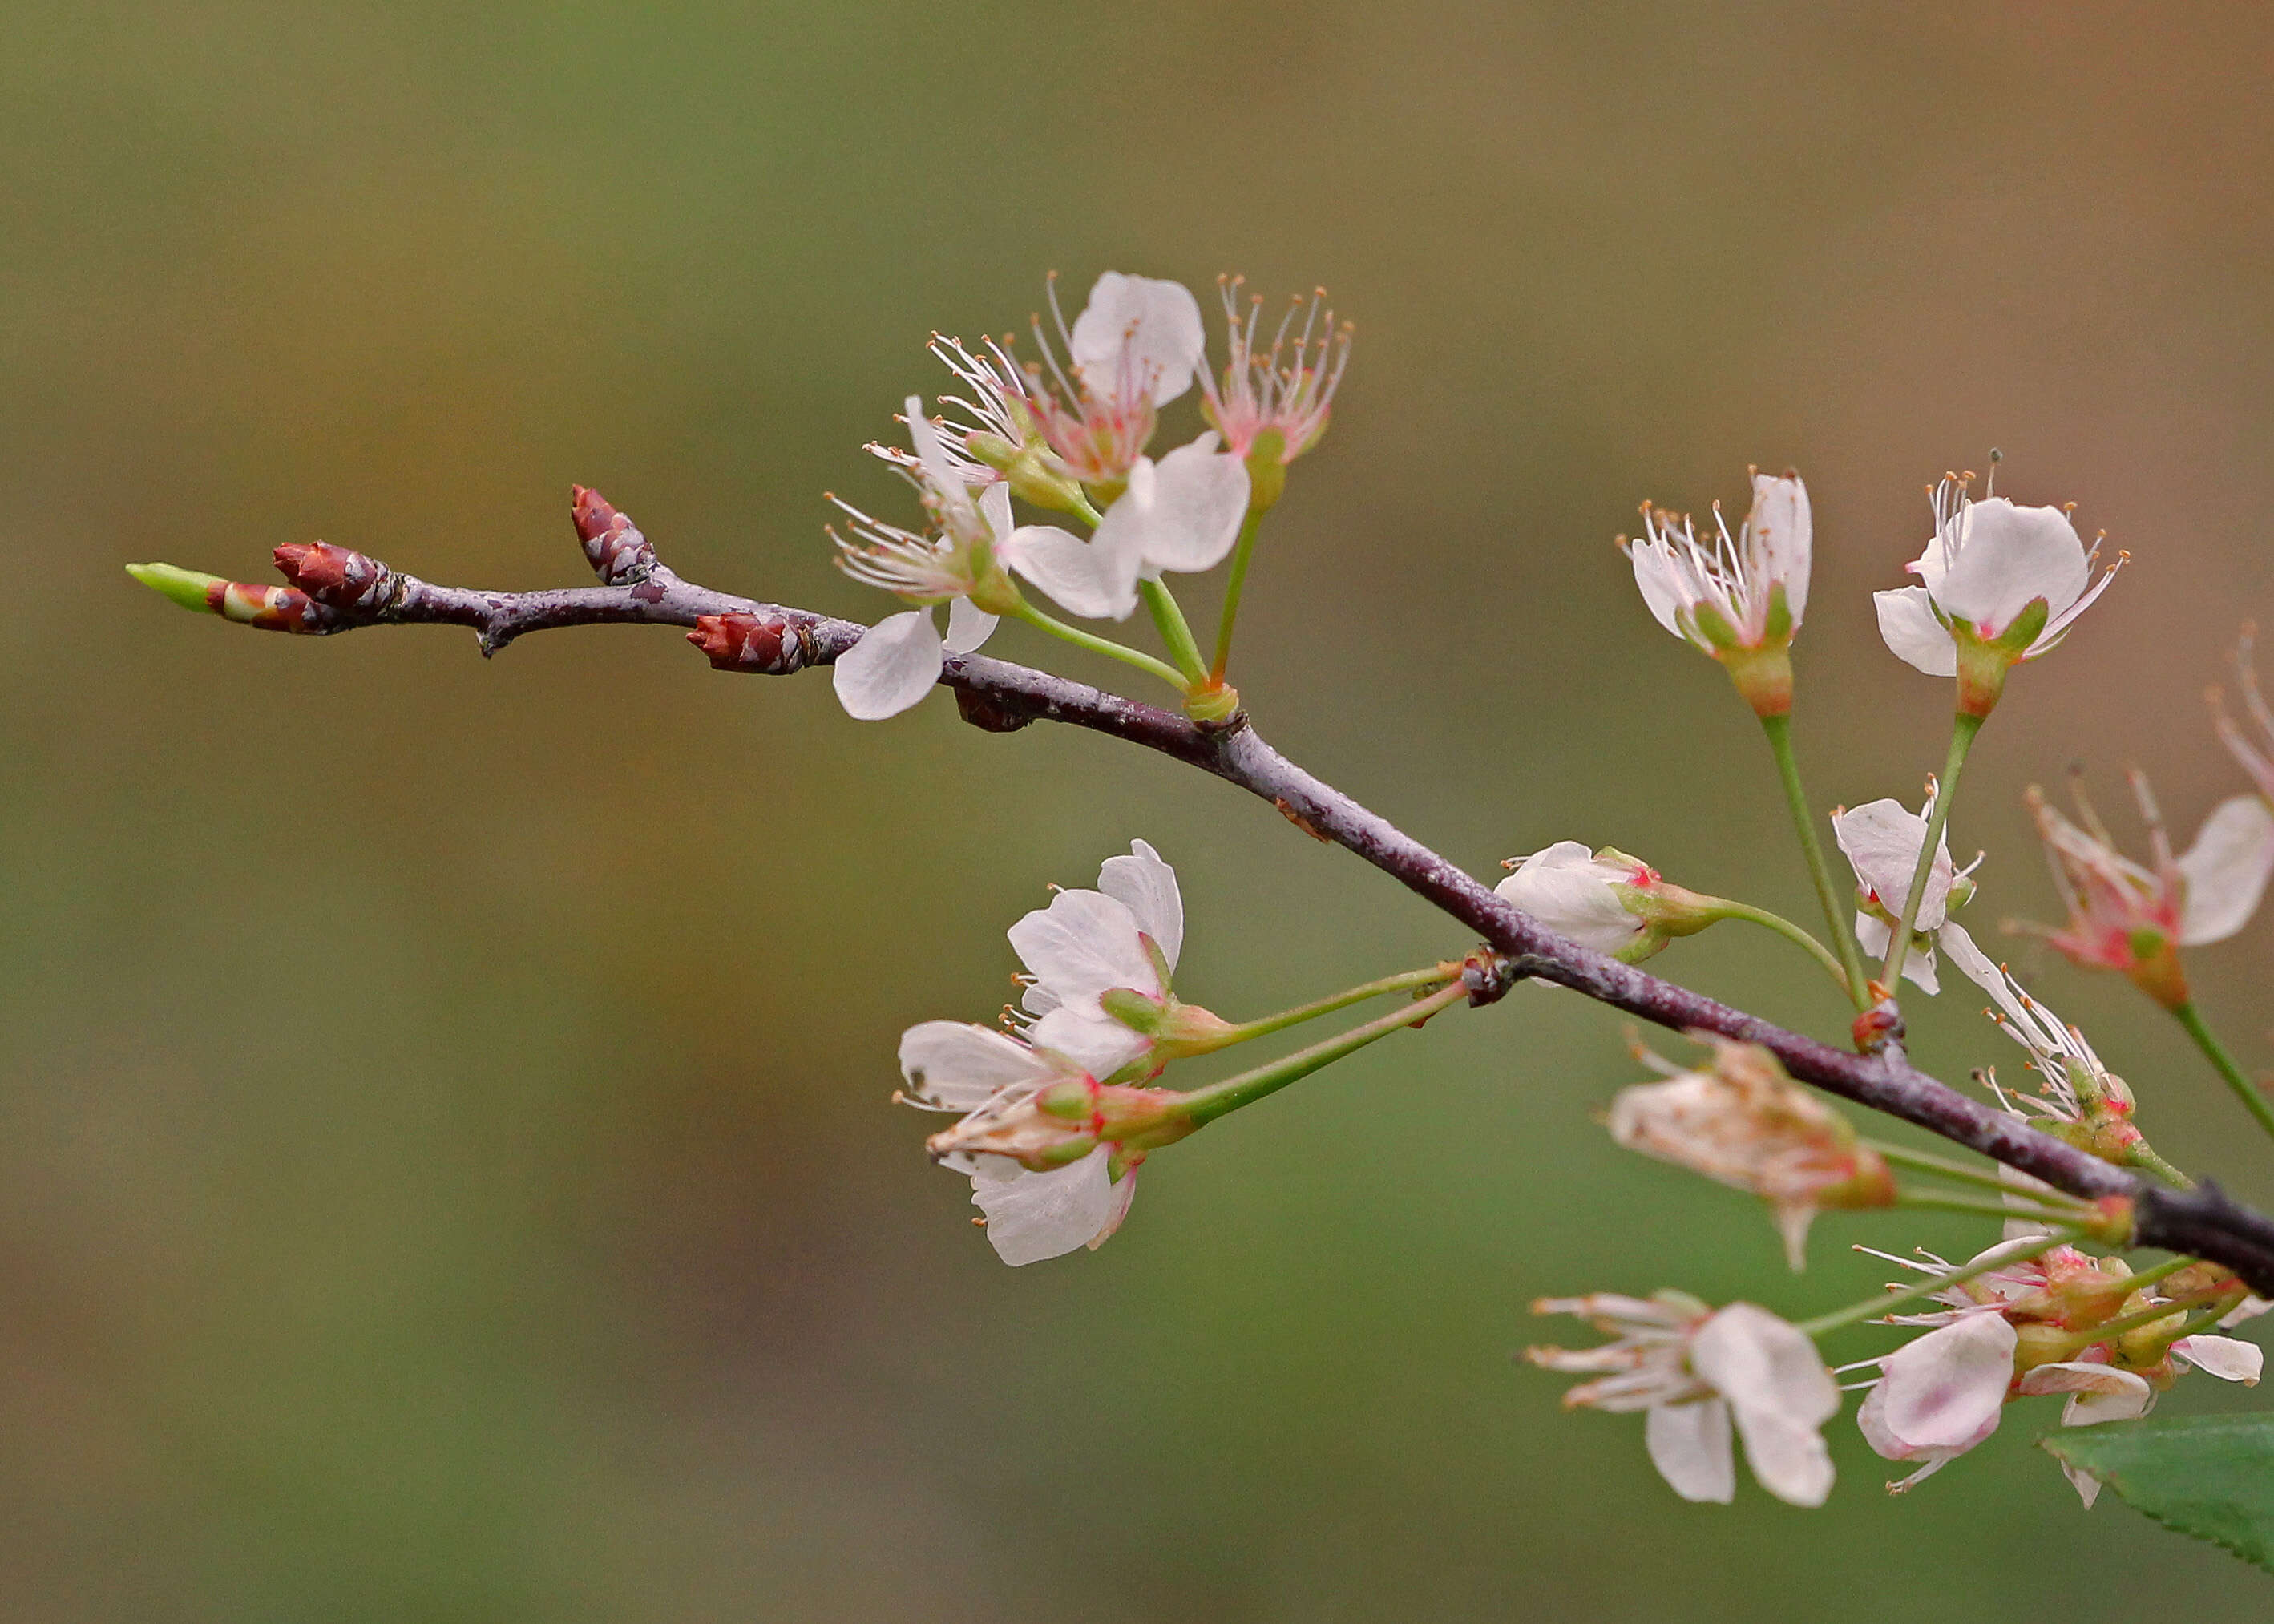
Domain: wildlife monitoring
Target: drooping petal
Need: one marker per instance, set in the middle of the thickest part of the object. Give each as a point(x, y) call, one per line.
point(2097, 1393)
point(1775, 1380)
point(968, 627)
point(1779, 525)
point(1083, 943)
point(1972, 962)
point(2226, 870)
point(994, 507)
point(1907, 622)
point(1872, 935)
point(954, 1065)
point(1147, 325)
point(1690, 1445)
point(2008, 556)
point(1943, 1391)
point(1197, 498)
point(1096, 581)
point(2229, 1358)
point(1147, 887)
point(1092, 1040)
point(1032, 1215)
point(893, 666)
point(1124, 1192)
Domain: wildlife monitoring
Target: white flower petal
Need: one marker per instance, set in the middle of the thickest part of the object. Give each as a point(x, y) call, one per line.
point(2226, 870)
point(1080, 946)
point(1031, 1216)
point(1881, 841)
point(1660, 580)
point(2229, 1358)
point(1776, 1383)
point(1147, 887)
point(1096, 1042)
point(1972, 962)
point(1141, 327)
point(968, 627)
point(954, 1065)
point(1779, 525)
point(1690, 1445)
point(1907, 622)
point(2008, 556)
point(893, 666)
point(1093, 579)
point(2097, 1393)
point(2087, 1486)
point(1945, 1390)
point(1872, 935)
point(994, 507)
point(1191, 510)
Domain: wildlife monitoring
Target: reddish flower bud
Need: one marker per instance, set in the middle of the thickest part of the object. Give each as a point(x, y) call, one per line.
point(619, 554)
point(339, 577)
point(771, 646)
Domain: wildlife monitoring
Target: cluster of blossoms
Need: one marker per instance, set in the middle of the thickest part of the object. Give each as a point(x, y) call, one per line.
point(1070, 434)
point(1056, 1111)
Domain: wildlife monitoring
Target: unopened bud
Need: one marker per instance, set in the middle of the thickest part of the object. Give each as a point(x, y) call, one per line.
point(773, 646)
point(269, 608)
point(339, 577)
point(619, 554)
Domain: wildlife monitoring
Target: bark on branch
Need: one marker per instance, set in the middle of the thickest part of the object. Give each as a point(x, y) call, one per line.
point(338, 591)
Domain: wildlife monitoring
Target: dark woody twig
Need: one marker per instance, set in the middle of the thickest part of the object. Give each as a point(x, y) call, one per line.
point(336, 590)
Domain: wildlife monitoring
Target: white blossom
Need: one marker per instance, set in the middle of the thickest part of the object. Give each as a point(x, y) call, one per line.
point(955, 1066)
point(1690, 1368)
point(1987, 562)
point(1738, 580)
point(1881, 841)
point(1124, 934)
point(1576, 893)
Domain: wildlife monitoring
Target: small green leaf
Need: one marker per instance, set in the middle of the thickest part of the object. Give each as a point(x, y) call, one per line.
point(186, 587)
point(2209, 1476)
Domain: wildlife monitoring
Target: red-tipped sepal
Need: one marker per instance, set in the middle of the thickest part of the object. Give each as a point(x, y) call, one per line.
point(338, 577)
point(619, 554)
point(770, 647)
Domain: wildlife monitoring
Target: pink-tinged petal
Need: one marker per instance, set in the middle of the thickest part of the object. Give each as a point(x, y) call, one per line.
point(2008, 557)
point(1031, 1216)
point(1092, 579)
point(1881, 841)
point(1690, 1445)
point(2229, 1358)
point(1908, 624)
point(969, 626)
point(954, 1065)
point(1147, 887)
point(1096, 1042)
point(1972, 962)
point(1944, 1391)
point(893, 666)
point(1198, 499)
point(2226, 870)
point(1142, 323)
point(1780, 526)
point(1080, 946)
point(2248, 1309)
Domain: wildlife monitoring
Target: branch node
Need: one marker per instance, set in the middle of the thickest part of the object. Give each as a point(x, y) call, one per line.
point(1488, 974)
point(991, 713)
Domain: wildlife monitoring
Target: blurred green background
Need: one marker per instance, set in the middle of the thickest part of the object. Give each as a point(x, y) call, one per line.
point(448, 1171)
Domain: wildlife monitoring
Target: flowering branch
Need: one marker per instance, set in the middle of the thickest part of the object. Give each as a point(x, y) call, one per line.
point(336, 590)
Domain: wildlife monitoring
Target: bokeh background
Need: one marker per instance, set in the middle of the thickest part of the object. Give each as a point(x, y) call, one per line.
point(447, 1170)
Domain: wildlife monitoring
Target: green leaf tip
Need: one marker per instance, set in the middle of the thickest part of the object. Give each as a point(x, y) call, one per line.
point(2209, 1476)
point(185, 587)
